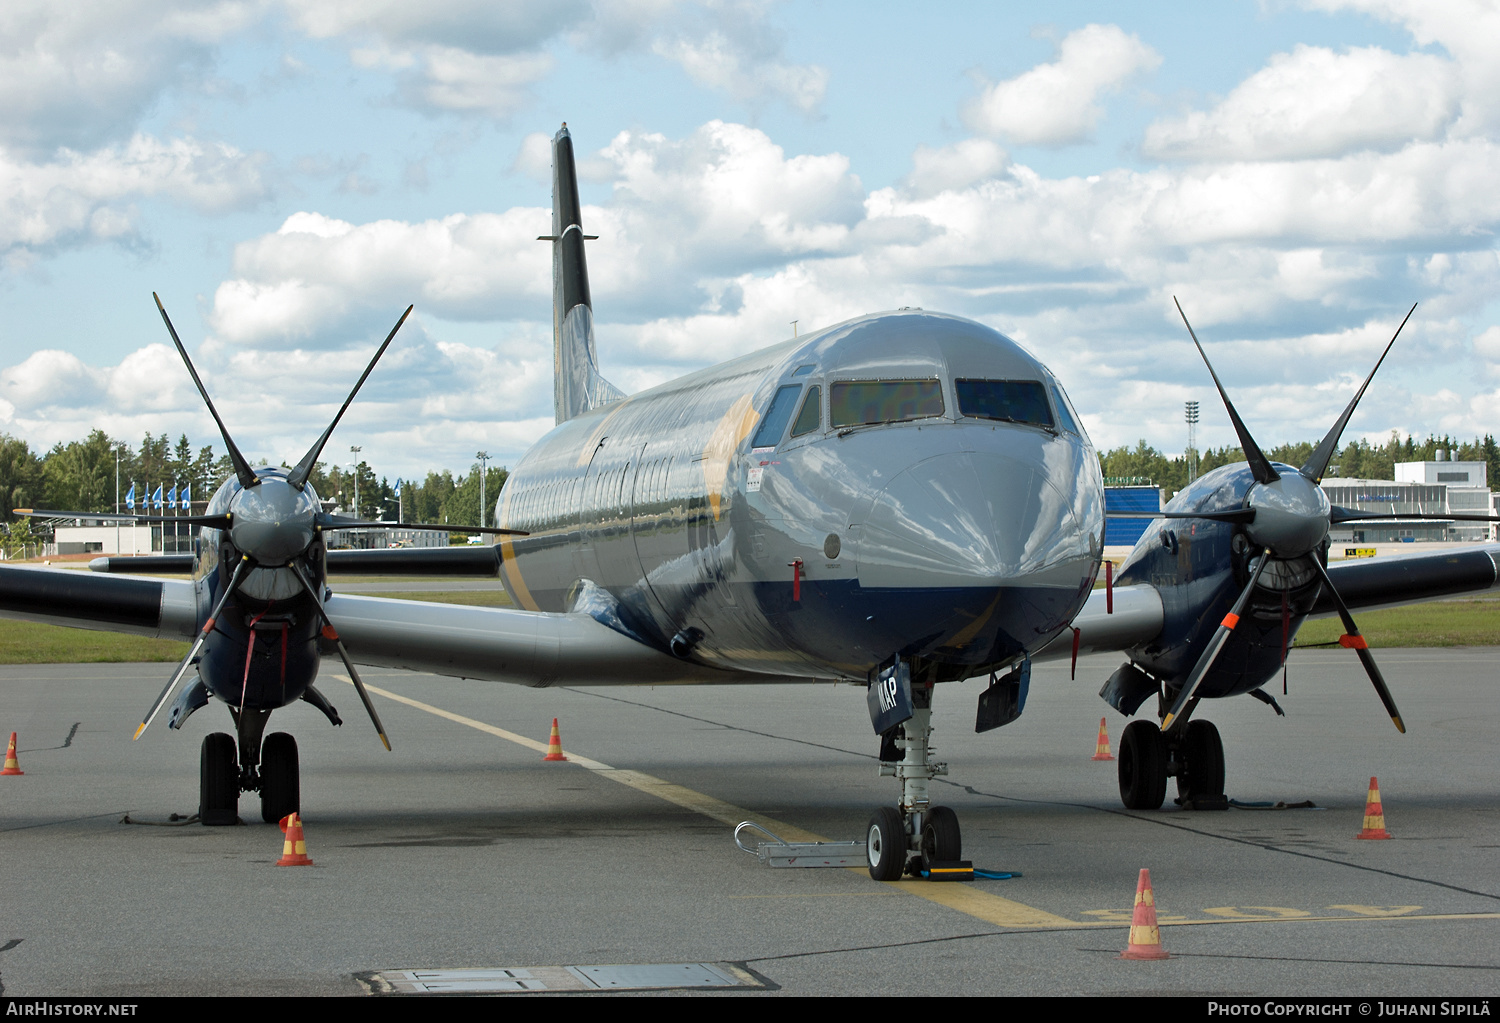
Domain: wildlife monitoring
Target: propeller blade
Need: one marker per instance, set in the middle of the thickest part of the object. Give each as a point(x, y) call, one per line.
point(1317, 462)
point(304, 468)
point(1259, 464)
point(208, 626)
point(1339, 514)
point(1234, 515)
point(330, 632)
point(242, 468)
point(1211, 652)
point(214, 521)
point(1354, 640)
point(325, 521)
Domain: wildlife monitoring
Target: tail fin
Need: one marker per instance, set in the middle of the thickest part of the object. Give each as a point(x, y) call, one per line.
point(577, 385)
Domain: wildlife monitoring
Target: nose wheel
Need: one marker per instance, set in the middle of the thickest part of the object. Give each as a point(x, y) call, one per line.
point(906, 839)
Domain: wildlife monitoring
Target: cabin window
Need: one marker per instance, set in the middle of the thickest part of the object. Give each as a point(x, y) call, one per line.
point(1009, 401)
point(777, 416)
point(811, 416)
point(859, 402)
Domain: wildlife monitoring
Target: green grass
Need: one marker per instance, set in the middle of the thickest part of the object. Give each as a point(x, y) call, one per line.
point(1445, 623)
point(33, 643)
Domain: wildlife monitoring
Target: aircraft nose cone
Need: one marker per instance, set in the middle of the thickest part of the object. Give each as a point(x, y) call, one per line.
point(973, 519)
point(1291, 515)
point(273, 522)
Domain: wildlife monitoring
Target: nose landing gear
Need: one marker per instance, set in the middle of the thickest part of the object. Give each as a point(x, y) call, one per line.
point(907, 839)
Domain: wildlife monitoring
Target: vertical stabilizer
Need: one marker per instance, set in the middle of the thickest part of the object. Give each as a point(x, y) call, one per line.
point(577, 385)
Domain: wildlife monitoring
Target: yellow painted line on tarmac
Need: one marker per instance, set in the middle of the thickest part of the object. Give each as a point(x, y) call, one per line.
point(974, 902)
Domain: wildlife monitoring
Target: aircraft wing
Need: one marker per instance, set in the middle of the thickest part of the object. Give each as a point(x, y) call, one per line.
point(162, 608)
point(1388, 581)
point(1132, 616)
point(481, 560)
point(534, 648)
point(1396, 579)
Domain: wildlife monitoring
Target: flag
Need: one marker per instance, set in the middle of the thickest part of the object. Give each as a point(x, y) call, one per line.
point(172, 497)
point(130, 497)
point(187, 496)
point(156, 497)
point(398, 486)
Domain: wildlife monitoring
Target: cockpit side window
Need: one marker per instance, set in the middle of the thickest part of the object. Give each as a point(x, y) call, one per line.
point(811, 416)
point(780, 411)
point(1065, 412)
point(861, 402)
point(1010, 401)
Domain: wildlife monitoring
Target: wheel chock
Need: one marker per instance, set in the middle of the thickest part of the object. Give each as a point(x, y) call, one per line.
point(949, 870)
point(777, 853)
point(12, 765)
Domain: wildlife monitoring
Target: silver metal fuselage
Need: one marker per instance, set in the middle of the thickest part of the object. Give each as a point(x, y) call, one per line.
point(959, 543)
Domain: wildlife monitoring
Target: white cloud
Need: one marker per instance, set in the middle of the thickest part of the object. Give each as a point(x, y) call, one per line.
point(1057, 104)
point(81, 73)
point(91, 196)
point(1313, 102)
point(954, 167)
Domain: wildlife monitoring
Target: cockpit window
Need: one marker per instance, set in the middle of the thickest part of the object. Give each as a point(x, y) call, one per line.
point(1065, 411)
point(1012, 401)
point(858, 402)
point(772, 426)
point(811, 416)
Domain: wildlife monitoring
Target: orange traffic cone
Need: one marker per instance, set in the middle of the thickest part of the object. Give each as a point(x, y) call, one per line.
point(1145, 936)
point(1374, 815)
point(1101, 748)
point(554, 745)
point(294, 848)
point(12, 766)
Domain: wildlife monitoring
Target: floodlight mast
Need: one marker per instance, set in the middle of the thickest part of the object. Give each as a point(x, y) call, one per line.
point(1191, 414)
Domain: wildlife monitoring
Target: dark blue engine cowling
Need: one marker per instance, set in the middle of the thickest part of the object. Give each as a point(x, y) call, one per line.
point(1199, 567)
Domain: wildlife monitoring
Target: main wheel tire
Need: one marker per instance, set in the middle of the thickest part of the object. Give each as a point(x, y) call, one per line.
point(218, 781)
point(886, 844)
point(280, 785)
point(1202, 762)
point(940, 836)
point(1143, 766)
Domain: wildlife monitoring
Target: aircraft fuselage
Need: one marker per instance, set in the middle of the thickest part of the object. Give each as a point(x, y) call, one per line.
point(717, 517)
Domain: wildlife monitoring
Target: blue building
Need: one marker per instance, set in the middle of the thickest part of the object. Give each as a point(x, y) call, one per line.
point(1129, 493)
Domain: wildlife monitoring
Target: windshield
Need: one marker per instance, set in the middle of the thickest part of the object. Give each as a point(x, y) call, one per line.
point(858, 402)
point(1014, 401)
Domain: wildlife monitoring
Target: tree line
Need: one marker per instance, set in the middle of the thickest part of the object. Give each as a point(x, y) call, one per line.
point(1357, 459)
point(80, 476)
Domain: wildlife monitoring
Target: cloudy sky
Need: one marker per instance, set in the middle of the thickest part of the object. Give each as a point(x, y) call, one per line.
point(290, 174)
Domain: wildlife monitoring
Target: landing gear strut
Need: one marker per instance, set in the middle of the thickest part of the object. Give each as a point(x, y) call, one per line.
point(907, 838)
point(1194, 756)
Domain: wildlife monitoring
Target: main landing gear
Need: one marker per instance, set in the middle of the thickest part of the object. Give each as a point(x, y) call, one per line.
point(1193, 755)
point(269, 768)
point(908, 838)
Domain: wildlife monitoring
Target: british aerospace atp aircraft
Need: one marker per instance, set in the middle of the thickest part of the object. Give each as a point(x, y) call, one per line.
point(900, 500)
